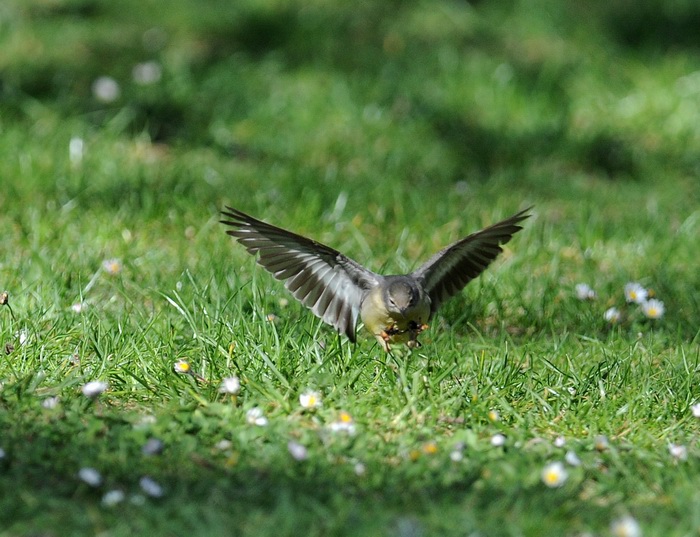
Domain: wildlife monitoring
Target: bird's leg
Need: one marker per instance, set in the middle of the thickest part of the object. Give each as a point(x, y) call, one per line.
point(414, 330)
point(385, 336)
point(417, 328)
point(383, 339)
point(391, 330)
point(413, 342)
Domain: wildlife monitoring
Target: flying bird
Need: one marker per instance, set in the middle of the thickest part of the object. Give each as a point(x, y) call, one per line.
point(394, 309)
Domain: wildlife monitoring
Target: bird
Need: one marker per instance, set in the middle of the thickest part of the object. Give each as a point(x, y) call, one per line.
point(395, 309)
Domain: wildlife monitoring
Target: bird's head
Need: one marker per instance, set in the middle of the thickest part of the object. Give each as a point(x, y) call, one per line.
point(400, 295)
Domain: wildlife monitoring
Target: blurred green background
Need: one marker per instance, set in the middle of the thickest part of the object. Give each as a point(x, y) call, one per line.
point(383, 118)
point(307, 99)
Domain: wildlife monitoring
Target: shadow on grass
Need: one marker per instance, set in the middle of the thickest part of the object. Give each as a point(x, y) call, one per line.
point(348, 41)
point(41, 490)
point(42, 493)
point(653, 25)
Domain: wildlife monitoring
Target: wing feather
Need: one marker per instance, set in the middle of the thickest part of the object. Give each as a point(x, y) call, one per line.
point(327, 282)
point(448, 271)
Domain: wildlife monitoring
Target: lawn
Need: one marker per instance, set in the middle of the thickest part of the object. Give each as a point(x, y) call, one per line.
point(155, 380)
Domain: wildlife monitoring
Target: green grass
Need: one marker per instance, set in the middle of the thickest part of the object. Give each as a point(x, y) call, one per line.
point(387, 130)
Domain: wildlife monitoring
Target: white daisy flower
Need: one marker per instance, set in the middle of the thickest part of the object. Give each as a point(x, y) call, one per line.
point(223, 445)
point(94, 388)
point(153, 446)
point(76, 150)
point(360, 469)
point(695, 409)
point(498, 440)
point(151, 487)
point(494, 416)
point(297, 451)
point(2, 454)
point(79, 307)
point(678, 452)
point(653, 309)
point(554, 474)
point(230, 385)
point(105, 89)
point(635, 292)
point(50, 402)
point(146, 73)
point(625, 526)
point(585, 291)
point(90, 476)
point(310, 400)
point(572, 459)
point(23, 336)
point(612, 315)
point(559, 441)
point(182, 367)
point(344, 424)
point(255, 416)
point(601, 442)
point(112, 266)
point(112, 497)
point(456, 455)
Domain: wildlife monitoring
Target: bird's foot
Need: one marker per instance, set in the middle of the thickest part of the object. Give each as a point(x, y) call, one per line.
point(383, 339)
point(416, 328)
point(391, 330)
point(413, 343)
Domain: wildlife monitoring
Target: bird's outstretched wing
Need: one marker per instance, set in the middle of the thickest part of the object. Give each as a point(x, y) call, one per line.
point(327, 282)
point(448, 271)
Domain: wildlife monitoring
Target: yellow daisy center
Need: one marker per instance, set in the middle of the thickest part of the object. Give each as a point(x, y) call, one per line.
point(551, 477)
point(430, 448)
